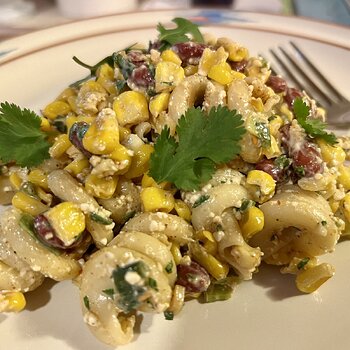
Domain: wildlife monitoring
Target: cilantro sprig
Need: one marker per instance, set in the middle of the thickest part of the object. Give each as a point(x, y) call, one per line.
point(21, 139)
point(203, 141)
point(313, 127)
point(169, 37)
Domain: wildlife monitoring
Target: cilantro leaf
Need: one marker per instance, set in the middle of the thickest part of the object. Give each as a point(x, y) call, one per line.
point(93, 69)
point(263, 134)
point(169, 37)
point(21, 139)
point(313, 127)
point(203, 142)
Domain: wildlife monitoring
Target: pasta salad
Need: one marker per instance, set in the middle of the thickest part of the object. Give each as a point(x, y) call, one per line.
point(171, 172)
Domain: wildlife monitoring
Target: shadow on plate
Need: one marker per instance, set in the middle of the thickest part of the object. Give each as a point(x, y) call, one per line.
point(39, 297)
point(278, 286)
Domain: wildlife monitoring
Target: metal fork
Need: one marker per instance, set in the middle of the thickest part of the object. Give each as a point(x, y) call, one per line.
point(297, 67)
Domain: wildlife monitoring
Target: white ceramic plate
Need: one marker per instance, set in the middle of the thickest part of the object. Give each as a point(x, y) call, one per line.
point(265, 313)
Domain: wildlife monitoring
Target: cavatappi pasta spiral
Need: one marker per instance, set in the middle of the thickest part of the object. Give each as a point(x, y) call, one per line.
point(92, 213)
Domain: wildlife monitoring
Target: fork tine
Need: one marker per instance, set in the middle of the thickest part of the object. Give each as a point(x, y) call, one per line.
point(305, 76)
point(292, 77)
point(318, 73)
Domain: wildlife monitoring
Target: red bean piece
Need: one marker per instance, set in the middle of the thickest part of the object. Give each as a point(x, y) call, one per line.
point(291, 95)
point(309, 158)
point(277, 84)
point(239, 66)
point(141, 77)
point(136, 57)
point(189, 52)
point(193, 277)
point(268, 165)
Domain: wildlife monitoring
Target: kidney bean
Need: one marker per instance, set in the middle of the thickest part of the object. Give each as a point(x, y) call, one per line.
point(193, 277)
point(239, 66)
point(309, 158)
point(269, 166)
point(76, 134)
point(291, 95)
point(189, 52)
point(136, 57)
point(141, 77)
point(277, 84)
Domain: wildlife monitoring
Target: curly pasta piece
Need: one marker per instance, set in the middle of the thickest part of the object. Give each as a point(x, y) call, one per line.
point(238, 97)
point(39, 258)
point(105, 315)
point(15, 273)
point(231, 245)
point(154, 249)
point(298, 223)
point(174, 227)
point(64, 186)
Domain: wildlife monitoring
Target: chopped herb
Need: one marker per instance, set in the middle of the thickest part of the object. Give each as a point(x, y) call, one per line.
point(203, 141)
point(313, 127)
point(151, 92)
point(169, 37)
point(282, 162)
point(86, 302)
point(263, 132)
point(169, 315)
point(21, 139)
point(219, 290)
point(169, 83)
point(93, 69)
point(152, 283)
point(302, 263)
point(169, 267)
point(246, 203)
point(129, 294)
point(60, 124)
point(126, 67)
point(120, 84)
point(203, 198)
point(100, 219)
point(109, 292)
point(129, 215)
point(323, 223)
point(29, 188)
point(299, 170)
point(273, 117)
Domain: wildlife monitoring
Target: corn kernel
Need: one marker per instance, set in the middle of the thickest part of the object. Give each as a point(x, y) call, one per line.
point(72, 101)
point(159, 103)
point(156, 199)
point(168, 75)
point(44, 197)
point(211, 58)
point(148, 181)
point(123, 133)
point(265, 183)
point(175, 251)
point(346, 206)
point(183, 210)
point(101, 187)
point(28, 204)
point(45, 125)
point(177, 300)
point(105, 77)
point(122, 155)
point(56, 108)
point(334, 204)
point(60, 146)
point(170, 56)
point(131, 108)
point(12, 302)
point(140, 161)
point(68, 221)
point(77, 166)
point(39, 178)
point(257, 103)
point(275, 124)
point(252, 222)
point(333, 155)
point(344, 177)
point(15, 180)
point(207, 240)
point(236, 52)
point(273, 150)
point(103, 135)
point(68, 92)
point(190, 70)
point(222, 73)
point(91, 86)
point(215, 267)
point(312, 278)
